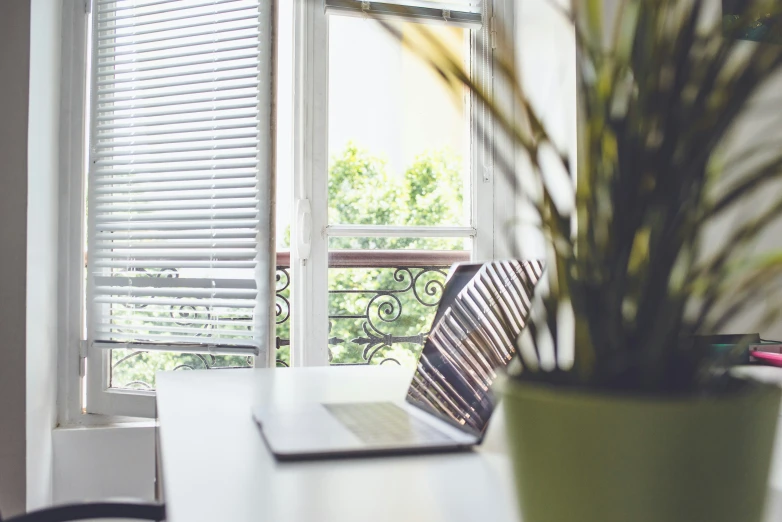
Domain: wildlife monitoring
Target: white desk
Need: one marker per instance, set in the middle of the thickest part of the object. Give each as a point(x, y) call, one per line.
point(216, 467)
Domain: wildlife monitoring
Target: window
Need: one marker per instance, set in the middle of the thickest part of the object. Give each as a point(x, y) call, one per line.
point(392, 180)
point(178, 181)
point(383, 182)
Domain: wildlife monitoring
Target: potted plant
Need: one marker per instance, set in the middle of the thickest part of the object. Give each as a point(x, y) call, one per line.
point(617, 415)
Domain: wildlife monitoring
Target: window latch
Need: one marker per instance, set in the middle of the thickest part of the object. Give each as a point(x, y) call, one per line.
point(82, 357)
point(304, 229)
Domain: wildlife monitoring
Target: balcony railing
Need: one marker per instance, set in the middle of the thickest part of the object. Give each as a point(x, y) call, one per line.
point(381, 304)
point(392, 308)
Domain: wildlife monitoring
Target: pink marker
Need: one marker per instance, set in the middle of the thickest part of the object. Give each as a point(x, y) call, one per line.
point(774, 359)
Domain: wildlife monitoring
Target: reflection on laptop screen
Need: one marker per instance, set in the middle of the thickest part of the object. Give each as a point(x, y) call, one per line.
point(482, 312)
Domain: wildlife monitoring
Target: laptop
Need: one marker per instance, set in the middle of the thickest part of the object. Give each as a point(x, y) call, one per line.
point(449, 401)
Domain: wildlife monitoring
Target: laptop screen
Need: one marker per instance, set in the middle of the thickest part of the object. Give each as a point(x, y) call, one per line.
point(483, 310)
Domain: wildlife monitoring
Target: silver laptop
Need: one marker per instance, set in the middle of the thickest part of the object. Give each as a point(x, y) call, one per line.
point(448, 404)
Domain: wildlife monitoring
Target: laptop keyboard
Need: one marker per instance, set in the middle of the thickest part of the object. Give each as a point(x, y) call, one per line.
point(381, 423)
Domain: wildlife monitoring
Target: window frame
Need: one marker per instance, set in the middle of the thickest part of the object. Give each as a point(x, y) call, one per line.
point(491, 201)
point(73, 383)
point(85, 383)
point(492, 207)
point(71, 212)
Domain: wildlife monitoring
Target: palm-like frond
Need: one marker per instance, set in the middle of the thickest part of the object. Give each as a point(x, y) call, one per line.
point(629, 279)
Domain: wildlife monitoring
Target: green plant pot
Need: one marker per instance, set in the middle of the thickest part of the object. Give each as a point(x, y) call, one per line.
point(586, 457)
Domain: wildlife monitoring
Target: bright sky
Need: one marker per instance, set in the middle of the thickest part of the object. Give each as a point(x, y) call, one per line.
point(381, 97)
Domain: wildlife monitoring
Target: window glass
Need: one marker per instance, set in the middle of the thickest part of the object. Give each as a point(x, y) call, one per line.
point(382, 302)
point(398, 139)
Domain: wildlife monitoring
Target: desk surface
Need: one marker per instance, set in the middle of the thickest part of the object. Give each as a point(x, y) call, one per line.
point(216, 467)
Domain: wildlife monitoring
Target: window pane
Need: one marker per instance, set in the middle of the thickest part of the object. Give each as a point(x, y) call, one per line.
point(284, 122)
point(135, 370)
point(382, 302)
point(132, 369)
point(282, 307)
point(398, 139)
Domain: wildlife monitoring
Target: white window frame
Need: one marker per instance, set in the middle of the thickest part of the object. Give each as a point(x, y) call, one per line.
point(492, 204)
point(84, 384)
point(71, 213)
point(72, 384)
point(492, 208)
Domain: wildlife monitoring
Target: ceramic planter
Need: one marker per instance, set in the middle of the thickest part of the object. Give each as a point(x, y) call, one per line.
point(585, 457)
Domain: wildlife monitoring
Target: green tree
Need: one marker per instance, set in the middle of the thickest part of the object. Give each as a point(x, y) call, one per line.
point(361, 191)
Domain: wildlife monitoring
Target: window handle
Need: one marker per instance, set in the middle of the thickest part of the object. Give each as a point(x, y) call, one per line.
point(304, 226)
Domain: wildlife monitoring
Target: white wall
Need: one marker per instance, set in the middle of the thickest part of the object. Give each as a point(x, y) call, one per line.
point(42, 259)
point(91, 461)
point(95, 463)
point(545, 62)
point(14, 52)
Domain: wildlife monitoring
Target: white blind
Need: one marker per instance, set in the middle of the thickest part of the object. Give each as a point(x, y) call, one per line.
point(179, 177)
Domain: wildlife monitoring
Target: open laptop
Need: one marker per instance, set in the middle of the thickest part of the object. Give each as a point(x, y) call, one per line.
point(448, 404)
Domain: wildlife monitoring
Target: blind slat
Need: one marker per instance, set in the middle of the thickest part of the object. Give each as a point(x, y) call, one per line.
point(179, 7)
point(184, 193)
point(203, 21)
point(136, 88)
point(116, 6)
point(249, 23)
point(141, 18)
point(121, 235)
point(207, 206)
point(210, 155)
point(174, 301)
point(205, 245)
point(224, 67)
point(195, 224)
point(132, 182)
point(138, 55)
point(139, 153)
point(214, 137)
point(117, 107)
point(161, 280)
point(160, 189)
point(210, 333)
point(202, 88)
point(217, 214)
point(210, 126)
point(215, 56)
point(204, 165)
point(205, 256)
point(178, 264)
point(175, 202)
point(194, 344)
point(121, 115)
point(197, 118)
point(212, 293)
point(242, 322)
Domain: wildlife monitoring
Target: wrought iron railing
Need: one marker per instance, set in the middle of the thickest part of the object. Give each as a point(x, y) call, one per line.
point(385, 311)
point(381, 304)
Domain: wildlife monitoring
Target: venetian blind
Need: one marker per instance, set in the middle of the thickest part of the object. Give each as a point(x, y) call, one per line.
point(179, 184)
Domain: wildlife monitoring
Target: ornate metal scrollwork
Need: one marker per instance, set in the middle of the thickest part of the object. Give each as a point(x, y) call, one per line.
point(384, 309)
point(423, 284)
point(282, 307)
